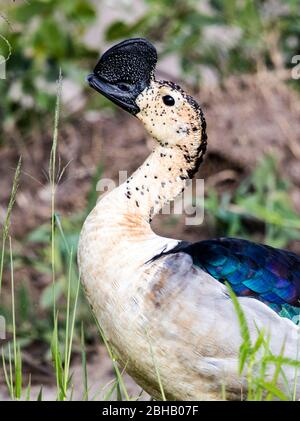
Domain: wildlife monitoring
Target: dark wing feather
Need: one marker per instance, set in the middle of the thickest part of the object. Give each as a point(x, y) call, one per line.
point(265, 273)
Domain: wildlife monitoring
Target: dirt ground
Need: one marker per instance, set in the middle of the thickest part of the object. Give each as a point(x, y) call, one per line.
point(246, 117)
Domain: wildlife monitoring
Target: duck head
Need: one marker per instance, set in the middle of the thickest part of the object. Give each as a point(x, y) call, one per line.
point(124, 72)
point(125, 75)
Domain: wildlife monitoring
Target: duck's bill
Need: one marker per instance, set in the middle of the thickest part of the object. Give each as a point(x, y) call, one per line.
point(123, 98)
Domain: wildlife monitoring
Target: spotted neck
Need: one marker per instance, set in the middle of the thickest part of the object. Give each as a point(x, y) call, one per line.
point(117, 234)
point(158, 181)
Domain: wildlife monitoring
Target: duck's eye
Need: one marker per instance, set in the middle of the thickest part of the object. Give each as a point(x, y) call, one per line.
point(168, 100)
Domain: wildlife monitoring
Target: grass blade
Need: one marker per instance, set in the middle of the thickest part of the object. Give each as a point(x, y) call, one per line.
point(28, 389)
point(156, 370)
point(84, 366)
point(16, 347)
point(113, 359)
point(40, 395)
point(245, 347)
point(11, 203)
point(52, 177)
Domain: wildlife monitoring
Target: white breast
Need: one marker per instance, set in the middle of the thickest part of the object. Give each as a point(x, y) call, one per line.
point(171, 312)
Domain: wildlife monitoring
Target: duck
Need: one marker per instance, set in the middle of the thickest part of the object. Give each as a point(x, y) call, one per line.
point(164, 304)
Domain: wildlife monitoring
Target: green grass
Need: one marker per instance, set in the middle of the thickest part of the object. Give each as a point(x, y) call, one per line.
point(61, 343)
point(13, 374)
point(256, 359)
point(6, 224)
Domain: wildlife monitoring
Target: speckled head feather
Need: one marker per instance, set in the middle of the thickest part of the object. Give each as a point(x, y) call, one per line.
point(176, 121)
point(124, 71)
point(131, 61)
point(125, 75)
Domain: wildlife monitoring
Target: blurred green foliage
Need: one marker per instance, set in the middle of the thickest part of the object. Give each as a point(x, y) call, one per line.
point(226, 36)
point(259, 209)
point(229, 36)
point(44, 35)
point(34, 315)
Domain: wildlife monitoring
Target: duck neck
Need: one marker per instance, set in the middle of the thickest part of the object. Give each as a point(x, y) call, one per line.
point(121, 220)
point(157, 182)
point(127, 211)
